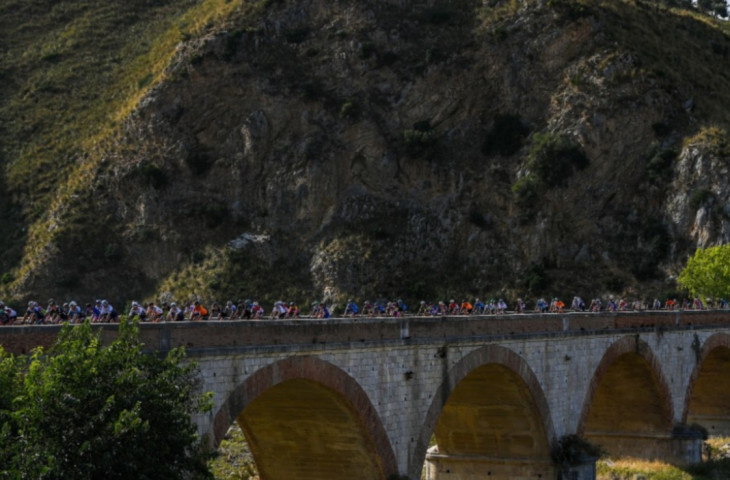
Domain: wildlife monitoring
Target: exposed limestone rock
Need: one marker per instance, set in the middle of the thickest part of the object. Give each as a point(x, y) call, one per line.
point(698, 202)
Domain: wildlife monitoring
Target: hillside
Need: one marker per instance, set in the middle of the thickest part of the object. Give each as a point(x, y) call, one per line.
point(282, 149)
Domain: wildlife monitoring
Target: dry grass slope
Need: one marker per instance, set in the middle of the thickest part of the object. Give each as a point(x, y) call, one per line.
point(71, 72)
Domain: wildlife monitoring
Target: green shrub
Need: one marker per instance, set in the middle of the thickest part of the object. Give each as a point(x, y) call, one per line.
point(232, 43)
point(387, 59)
point(659, 165)
point(52, 57)
point(699, 431)
point(419, 137)
point(719, 468)
point(570, 9)
point(113, 252)
point(367, 50)
point(526, 192)
point(350, 109)
point(152, 175)
point(198, 162)
point(661, 129)
point(479, 220)
point(554, 159)
point(144, 233)
point(68, 279)
point(297, 35)
point(313, 148)
point(312, 90)
point(535, 279)
point(433, 55)
point(699, 198)
point(145, 81)
point(506, 135)
point(439, 16)
point(423, 126)
point(653, 246)
point(213, 213)
point(574, 450)
point(615, 283)
point(197, 257)
point(7, 278)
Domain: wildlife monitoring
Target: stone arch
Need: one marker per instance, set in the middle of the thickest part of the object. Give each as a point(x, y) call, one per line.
point(708, 390)
point(489, 355)
point(629, 372)
point(323, 382)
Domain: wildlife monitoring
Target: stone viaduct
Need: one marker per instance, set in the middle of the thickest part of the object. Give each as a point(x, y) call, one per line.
point(479, 397)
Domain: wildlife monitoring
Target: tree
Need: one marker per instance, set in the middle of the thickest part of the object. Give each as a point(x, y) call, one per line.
point(86, 411)
point(708, 272)
point(554, 159)
point(716, 7)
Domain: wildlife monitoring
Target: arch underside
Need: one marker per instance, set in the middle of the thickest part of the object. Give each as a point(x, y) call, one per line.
point(629, 414)
point(709, 404)
point(490, 427)
point(300, 429)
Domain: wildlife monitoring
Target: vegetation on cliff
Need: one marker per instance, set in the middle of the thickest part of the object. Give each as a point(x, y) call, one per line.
point(708, 272)
point(233, 149)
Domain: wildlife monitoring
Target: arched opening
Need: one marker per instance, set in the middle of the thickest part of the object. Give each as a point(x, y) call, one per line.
point(301, 429)
point(628, 410)
point(304, 418)
point(708, 395)
point(491, 413)
point(492, 421)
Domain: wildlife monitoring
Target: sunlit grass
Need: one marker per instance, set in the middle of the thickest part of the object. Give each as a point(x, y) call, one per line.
point(715, 466)
point(630, 468)
point(234, 460)
point(713, 137)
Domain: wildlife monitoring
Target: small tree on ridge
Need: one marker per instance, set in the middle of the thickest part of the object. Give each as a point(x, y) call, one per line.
point(708, 272)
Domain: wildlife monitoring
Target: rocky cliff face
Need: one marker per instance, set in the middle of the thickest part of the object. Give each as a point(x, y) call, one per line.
point(410, 148)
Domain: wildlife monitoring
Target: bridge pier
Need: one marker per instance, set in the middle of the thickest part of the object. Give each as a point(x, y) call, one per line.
point(441, 466)
point(716, 425)
point(682, 447)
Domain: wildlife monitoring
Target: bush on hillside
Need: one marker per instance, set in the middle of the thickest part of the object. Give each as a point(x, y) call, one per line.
point(554, 159)
point(419, 137)
point(506, 135)
point(659, 165)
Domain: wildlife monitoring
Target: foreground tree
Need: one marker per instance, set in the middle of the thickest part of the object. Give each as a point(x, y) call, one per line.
point(708, 272)
point(86, 411)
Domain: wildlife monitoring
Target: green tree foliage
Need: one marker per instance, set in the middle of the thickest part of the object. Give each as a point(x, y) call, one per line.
point(86, 411)
point(708, 272)
point(554, 158)
point(716, 7)
point(551, 161)
point(506, 135)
